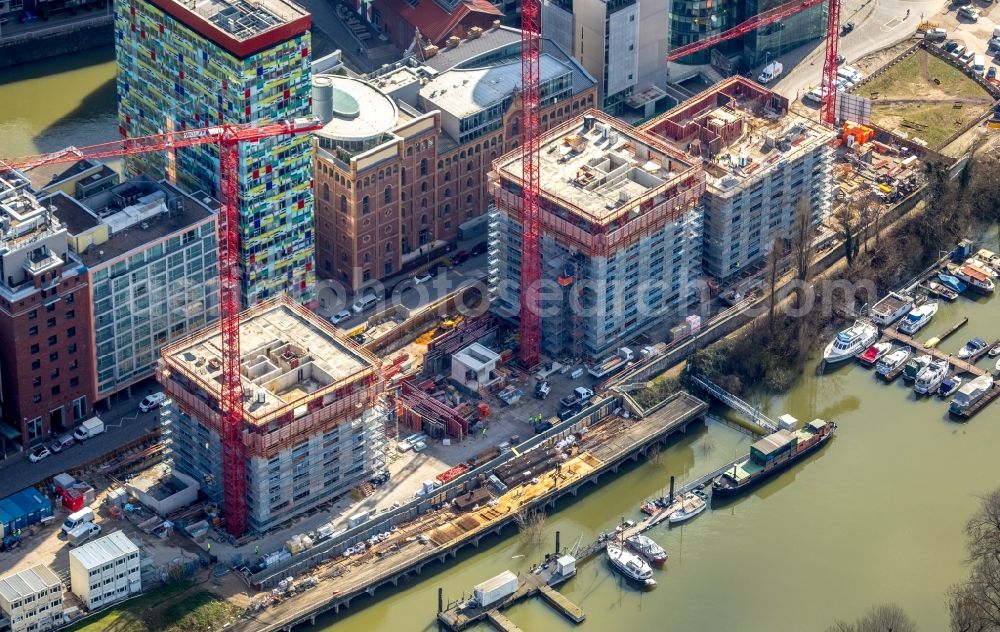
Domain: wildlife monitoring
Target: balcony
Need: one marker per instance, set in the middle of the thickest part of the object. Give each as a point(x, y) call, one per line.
point(39, 262)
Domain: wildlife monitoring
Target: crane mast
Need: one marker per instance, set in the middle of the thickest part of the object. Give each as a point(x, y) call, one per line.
point(228, 138)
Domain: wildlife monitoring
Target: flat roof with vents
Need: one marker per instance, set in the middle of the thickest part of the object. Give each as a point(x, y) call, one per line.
point(238, 26)
point(287, 353)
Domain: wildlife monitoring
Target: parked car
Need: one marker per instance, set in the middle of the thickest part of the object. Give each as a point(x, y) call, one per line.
point(936, 35)
point(479, 249)
point(949, 46)
point(969, 12)
point(340, 316)
point(459, 257)
point(967, 56)
point(61, 443)
point(993, 43)
point(958, 51)
point(38, 453)
point(151, 401)
point(423, 277)
point(28, 16)
point(992, 73)
point(846, 28)
point(840, 59)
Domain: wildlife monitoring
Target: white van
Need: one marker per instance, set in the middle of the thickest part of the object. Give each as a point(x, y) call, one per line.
point(979, 65)
point(850, 73)
point(364, 303)
point(77, 518)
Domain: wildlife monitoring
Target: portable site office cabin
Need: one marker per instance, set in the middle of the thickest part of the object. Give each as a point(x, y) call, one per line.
point(26, 507)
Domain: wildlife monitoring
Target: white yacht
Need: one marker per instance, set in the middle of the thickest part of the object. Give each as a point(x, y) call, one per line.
point(930, 377)
point(630, 565)
point(851, 342)
point(917, 318)
point(892, 361)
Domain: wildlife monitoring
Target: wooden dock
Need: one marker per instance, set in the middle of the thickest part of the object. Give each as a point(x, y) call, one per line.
point(961, 323)
point(500, 622)
point(959, 366)
point(559, 601)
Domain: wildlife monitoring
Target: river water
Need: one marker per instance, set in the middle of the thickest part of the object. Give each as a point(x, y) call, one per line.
point(876, 516)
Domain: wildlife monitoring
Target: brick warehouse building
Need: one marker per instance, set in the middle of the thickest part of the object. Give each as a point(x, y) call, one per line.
point(45, 319)
point(191, 65)
point(403, 160)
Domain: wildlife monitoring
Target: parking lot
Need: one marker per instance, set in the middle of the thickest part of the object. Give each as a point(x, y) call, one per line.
point(974, 35)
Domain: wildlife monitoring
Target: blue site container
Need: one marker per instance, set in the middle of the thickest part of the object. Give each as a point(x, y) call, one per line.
point(6, 523)
point(14, 513)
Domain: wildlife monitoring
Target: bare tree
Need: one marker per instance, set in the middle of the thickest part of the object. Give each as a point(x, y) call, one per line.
point(886, 617)
point(531, 525)
point(773, 269)
point(844, 218)
point(975, 604)
point(802, 244)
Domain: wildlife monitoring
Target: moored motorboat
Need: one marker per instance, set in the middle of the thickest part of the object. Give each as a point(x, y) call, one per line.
point(851, 342)
point(917, 318)
point(892, 360)
point(915, 366)
point(630, 565)
point(975, 276)
point(874, 353)
point(952, 282)
point(995, 350)
point(982, 267)
point(930, 377)
point(972, 347)
point(691, 505)
point(647, 548)
point(949, 386)
point(941, 291)
point(988, 257)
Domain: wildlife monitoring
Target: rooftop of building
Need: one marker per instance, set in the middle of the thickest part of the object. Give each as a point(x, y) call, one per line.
point(241, 27)
point(287, 353)
point(45, 176)
point(464, 92)
point(23, 218)
point(103, 550)
point(28, 582)
point(595, 164)
point(352, 109)
point(436, 22)
point(137, 212)
point(499, 45)
point(477, 356)
point(741, 130)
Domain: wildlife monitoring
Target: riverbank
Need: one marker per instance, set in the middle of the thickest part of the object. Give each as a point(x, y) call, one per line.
point(75, 36)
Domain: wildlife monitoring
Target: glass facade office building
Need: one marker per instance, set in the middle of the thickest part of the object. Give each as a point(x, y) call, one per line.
point(228, 62)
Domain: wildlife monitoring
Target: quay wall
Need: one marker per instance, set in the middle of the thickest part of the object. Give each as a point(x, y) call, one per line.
point(58, 40)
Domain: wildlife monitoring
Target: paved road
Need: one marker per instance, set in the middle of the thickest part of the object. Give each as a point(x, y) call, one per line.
point(878, 24)
point(363, 59)
point(14, 27)
point(124, 424)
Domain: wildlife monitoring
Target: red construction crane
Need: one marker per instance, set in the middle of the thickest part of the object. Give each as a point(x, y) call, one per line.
point(529, 330)
point(774, 15)
point(228, 137)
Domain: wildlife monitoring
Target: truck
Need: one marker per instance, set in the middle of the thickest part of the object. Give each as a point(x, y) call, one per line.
point(89, 429)
point(580, 397)
point(612, 364)
point(770, 72)
point(82, 533)
point(494, 590)
point(542, 389)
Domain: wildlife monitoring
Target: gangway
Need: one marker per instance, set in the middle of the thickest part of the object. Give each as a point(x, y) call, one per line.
point(752, 414)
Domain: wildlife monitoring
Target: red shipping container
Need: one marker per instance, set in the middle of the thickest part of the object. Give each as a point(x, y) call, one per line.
point(72, 501)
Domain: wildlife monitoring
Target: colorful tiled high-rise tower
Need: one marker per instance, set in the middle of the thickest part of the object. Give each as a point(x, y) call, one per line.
point(185, 64)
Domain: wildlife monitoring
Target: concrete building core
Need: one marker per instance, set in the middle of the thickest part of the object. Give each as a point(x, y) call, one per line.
point(621, 234)
point(312, 430)
point(760, 159)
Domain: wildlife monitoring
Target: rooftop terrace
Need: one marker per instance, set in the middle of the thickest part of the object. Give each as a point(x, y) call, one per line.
point(288, 354)
point(740, 129)
point(599, 165)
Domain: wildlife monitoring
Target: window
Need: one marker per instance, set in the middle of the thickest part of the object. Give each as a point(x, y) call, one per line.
point(33, 314)
point(34, 348)
point(71, 348)
point(70, 314)
point(36, 382)
point(388, 195)
point(343, 203)
point(53, 356)
point(33, 331)
point(53, 340)
point(51, 322)
point(365, 208)
point(71, 332)
point(326, 192)
point(74, 381)
point(69, 299)
point(423, 166)
point(36, 364)
point(55, 389)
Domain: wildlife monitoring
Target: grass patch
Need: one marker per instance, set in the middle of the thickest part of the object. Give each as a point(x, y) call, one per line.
point(176, 607)
point(940, 121)
point(914, 78)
